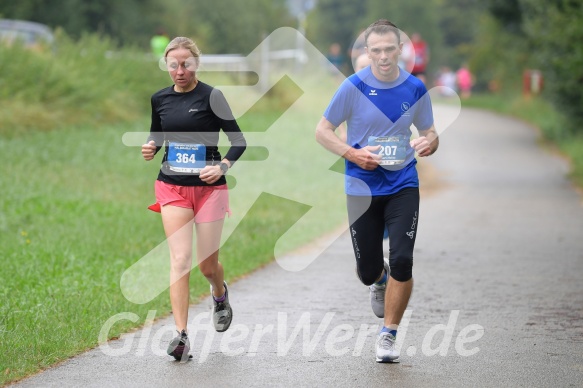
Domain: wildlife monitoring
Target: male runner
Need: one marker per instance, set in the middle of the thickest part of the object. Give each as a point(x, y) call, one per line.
point(379, 104)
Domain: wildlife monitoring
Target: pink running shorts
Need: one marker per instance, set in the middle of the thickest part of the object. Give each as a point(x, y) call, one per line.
point(209, 203)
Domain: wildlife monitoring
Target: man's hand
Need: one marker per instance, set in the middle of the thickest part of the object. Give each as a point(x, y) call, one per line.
point(365, 158)
point(421, 146)
point(427, 142)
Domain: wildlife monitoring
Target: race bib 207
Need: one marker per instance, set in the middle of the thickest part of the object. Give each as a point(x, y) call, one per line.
point(393, 148)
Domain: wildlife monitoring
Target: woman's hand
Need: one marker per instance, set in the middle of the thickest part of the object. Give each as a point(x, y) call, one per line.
point(149, 150)
point(211, 174)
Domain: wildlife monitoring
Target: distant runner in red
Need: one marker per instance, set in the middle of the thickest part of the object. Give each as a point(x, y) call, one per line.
point(421, 58)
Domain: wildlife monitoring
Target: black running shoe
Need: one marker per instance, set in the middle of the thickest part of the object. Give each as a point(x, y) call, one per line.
point(222, 312)
point(179, 347)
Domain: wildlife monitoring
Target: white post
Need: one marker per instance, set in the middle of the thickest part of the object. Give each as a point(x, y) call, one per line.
point(300, 40)
point(264, 72)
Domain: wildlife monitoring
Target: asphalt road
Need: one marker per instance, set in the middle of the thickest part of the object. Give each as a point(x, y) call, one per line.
point(498, 297)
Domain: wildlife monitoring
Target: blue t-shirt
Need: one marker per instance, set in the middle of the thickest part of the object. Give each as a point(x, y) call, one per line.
point(381, 109)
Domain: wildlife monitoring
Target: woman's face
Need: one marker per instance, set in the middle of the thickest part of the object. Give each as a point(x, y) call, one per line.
point(182, 67)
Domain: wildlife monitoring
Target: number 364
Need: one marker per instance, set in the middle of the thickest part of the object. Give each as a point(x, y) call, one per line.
point(185, 158)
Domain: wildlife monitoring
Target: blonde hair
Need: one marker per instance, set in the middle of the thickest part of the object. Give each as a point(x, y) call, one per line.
point(185, 43)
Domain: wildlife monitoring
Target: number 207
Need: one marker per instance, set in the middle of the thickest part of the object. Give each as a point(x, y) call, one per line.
point(388, 150)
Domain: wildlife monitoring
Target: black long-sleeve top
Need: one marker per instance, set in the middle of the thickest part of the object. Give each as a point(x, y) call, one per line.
point(194, 117)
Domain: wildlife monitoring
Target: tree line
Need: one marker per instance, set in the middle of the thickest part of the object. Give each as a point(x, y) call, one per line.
point(498, 38)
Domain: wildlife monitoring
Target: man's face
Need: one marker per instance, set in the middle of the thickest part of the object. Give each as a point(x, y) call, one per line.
point(383, 51)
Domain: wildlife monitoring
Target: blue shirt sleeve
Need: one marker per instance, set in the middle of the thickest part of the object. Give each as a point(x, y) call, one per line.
point(340, 107)
point(423, 119)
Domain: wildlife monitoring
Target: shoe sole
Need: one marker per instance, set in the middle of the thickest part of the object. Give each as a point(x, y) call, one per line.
point(180, 356)
point(388, 360)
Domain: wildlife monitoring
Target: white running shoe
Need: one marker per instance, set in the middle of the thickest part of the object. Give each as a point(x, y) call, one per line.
point(377, 294)
point(386, 349)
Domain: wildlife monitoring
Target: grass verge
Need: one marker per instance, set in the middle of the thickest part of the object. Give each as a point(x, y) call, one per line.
point(73, 218)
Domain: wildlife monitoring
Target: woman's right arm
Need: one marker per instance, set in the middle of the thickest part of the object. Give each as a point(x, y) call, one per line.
point(156, 138)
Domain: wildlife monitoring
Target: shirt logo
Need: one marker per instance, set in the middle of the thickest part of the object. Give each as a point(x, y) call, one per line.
point(192, 110)
point(405, 108)
point(373, 92)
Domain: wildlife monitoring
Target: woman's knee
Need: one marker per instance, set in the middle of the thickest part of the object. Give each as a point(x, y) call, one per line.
point(181, 264)
point(208, 268)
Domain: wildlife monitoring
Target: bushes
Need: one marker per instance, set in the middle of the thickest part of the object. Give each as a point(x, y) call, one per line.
point(555, 29)
point(497, 56)
point(85, 82)
point(520, 34)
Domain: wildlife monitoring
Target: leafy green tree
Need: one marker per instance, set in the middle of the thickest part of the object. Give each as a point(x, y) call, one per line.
point(128, 21)
point(336, 21)
point(498, 57)
point(458, 23)
point(520, 34)
point(555, 29)
point(226, 27)
point(501, 50)
point(508, 13)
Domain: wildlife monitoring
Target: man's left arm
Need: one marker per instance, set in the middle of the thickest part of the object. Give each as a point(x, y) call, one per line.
point(427, 142)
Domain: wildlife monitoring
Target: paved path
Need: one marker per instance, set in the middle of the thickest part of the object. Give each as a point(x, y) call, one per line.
point(498, 298)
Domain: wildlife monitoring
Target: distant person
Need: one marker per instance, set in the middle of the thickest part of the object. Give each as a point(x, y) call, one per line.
point(191, 189)
point(406, 59)
point(464, 81)
point(361, 62)
point(447, 78)
point(335, 56)
point(379, 104)
point(420, 56)
point(159, 42)
point(357, 49)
